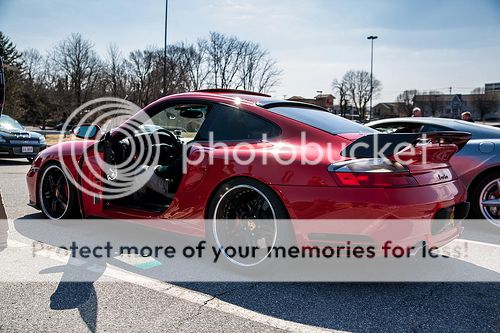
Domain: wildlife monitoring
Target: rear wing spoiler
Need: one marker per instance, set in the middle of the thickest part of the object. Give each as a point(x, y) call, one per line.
point(389, 144)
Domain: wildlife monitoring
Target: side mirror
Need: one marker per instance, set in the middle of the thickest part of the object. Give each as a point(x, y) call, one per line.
point(86, 131)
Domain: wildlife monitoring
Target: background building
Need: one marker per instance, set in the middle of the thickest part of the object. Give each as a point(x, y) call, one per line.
point(388, 110)
point(482, 106)
point(488, 87)
point(482, 103)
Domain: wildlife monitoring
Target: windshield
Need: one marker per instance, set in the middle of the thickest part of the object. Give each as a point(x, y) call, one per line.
point(9, 124)
point(184, 118)
point(322, 120)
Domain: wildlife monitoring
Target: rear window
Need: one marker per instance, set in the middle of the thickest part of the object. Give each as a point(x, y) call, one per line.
point(322, 120)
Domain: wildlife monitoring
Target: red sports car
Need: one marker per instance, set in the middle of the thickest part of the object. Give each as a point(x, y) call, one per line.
point(297, 165)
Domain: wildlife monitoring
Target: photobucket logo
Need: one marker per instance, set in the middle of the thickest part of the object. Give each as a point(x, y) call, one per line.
point(404, 152)
point(304, 152)
point(99, 168)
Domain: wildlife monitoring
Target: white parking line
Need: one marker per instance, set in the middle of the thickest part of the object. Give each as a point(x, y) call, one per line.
point(204, 300)
point(477, 243)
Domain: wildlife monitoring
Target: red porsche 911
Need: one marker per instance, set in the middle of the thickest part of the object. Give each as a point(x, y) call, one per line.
point(216, 155)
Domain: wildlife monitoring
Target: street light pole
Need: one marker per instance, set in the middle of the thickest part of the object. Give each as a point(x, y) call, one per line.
point(2, 88)
point(371, 75)
point(165, 52)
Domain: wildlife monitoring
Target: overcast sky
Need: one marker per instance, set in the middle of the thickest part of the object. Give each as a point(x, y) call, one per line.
point(423, 44)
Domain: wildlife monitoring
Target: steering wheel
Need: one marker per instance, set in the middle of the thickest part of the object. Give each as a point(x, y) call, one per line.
point(168, 143)
point(169, 138)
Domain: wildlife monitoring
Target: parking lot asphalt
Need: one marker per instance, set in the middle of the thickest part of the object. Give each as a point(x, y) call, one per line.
point(117, 303)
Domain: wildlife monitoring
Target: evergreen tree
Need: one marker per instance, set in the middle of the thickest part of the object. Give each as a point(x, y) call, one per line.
point(8, 51)
point(13, 76)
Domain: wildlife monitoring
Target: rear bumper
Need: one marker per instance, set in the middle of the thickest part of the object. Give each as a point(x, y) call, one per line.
point(404, 216)
point(407, 234)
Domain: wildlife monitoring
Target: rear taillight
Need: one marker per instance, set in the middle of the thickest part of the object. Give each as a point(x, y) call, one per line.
point(371, 172)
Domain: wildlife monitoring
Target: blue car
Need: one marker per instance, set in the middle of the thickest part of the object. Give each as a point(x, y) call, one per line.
point(17, 142)
point(477, 164)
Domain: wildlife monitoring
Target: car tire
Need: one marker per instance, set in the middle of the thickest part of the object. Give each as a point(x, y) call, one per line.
point(486, 190)
point(272, 214)
point(57, 196)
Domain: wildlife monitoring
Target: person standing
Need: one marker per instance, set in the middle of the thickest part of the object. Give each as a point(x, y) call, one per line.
point(466, 116)
point(416, 112)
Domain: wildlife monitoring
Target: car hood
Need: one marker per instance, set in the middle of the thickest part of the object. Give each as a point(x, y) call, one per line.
point(19, 134)
point(68, 148)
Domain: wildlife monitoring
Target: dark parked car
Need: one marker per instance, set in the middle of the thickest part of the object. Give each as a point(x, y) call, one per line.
point(477, 164)
point(16, 141)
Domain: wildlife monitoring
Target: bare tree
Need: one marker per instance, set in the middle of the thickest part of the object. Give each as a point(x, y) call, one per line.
point(116, 71)
point(224, 56)
point(341, 90)
point(198, 71)
point(178, 69)
point(481, 101)
point(251, 59)
point(434, 102)
point(407, 102)
point(258, 72)
point(268, 75)
point(36, 99)
point(32, 65)
point(239, 64)
point(140, 65)
point(43, 88)
point(76, 61)
point(358, 83)
point(184, 71)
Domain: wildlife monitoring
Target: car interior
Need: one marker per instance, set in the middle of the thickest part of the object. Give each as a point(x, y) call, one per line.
point(164, 135)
